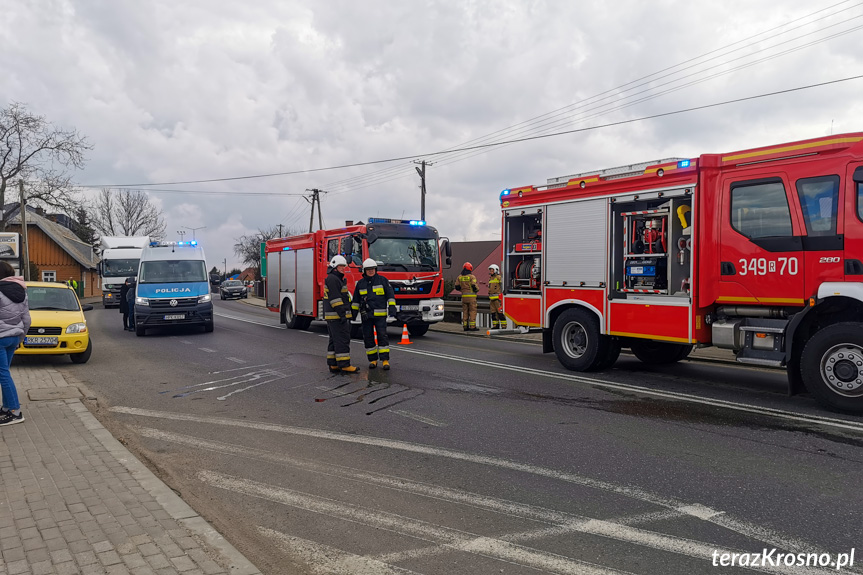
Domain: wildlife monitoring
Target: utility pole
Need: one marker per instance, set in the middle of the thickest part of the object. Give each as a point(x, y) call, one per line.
point(225, 275)
point(25, 246)
point(422, 173)
point(280, 230)
point(194, 230)
point(316, 199)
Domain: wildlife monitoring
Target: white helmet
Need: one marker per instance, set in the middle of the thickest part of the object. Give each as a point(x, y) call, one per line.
point(494, 268)
point(369, 263)
point(338, 261)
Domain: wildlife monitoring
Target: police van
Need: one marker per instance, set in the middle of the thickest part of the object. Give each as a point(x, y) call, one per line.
point(173, 287)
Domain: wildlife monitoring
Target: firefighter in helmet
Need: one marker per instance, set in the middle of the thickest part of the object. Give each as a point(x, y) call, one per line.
point(494, 291)
point(337, 313)
point(375, 301)
point(466, 284)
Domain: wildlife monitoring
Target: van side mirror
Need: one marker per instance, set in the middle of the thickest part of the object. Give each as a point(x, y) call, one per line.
point(348, 246)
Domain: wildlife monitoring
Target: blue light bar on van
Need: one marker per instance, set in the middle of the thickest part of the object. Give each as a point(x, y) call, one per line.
point(684, 163)
point(158, 244)
point(417, 223)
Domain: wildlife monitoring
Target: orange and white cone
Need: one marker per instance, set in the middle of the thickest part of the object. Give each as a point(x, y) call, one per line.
point(405, 339)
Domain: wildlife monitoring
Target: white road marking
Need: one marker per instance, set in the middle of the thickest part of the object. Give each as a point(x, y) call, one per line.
point(739, 526)
point(419, 418)
point(768, 411)
point(559, 522)
point(207, 349)
point(249, 321)
point(236, 360)
point(406, 526)
point(239, 368)
point(186, 341)
point(325, 560)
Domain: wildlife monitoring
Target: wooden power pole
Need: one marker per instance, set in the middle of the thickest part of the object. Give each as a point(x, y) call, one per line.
point(25, 246)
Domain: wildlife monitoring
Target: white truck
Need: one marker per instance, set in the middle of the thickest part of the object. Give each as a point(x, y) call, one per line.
point(120, 258)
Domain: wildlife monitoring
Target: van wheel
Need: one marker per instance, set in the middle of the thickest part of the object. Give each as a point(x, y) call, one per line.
point(577, 339)
point(209, 327)
point(82, 357)
point(140, 330)
point(658, 352)
point(832, 366)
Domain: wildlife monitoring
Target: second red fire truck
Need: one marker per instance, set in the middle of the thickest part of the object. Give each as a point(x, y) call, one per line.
point(409, 254)
point(759, 251)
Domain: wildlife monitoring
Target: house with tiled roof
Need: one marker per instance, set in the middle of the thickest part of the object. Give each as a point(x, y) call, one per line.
point(59, 255)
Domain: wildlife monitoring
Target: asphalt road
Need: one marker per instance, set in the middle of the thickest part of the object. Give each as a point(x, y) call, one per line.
point(474, 456)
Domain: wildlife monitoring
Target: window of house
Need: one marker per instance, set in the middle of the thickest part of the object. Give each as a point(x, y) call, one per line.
point(759, 209)
point(49, 276)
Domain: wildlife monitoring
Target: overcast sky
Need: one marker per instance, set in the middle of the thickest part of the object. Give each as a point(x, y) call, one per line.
point(200, 89)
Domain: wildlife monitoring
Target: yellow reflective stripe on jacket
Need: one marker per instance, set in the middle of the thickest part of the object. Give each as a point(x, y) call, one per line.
point(378, 289)
point(391, 302)
point(331, 316)
point(336, 302)
point(494, 297)
point(364, 292)
point(380, 313)
point(468, 295)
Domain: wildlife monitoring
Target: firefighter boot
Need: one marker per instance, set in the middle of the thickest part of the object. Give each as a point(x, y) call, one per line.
point(386, 365)
point(373, 364)
point(334, 369)
point(350, 369)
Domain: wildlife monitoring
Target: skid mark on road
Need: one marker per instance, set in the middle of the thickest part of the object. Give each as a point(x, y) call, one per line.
point(690, 509)
point(360, 394)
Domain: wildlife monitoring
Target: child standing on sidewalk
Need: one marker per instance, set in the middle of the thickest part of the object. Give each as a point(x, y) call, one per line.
point(14, 323)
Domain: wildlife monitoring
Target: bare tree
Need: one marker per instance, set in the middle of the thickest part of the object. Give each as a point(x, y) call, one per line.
point(248, 247)
point(126, 213)
point(34, 150)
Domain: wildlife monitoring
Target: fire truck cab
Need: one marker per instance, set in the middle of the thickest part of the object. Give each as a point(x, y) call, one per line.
point(409, 254)
point(758, 251)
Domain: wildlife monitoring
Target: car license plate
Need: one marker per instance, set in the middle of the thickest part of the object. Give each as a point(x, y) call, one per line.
point(40, 341)
point(409, 307)
point(175, 316)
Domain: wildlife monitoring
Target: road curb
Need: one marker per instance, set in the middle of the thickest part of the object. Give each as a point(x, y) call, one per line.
point(164, 495)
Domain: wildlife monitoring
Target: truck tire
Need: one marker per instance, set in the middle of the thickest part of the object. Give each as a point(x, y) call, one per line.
point(832, 366)
point(418, 329)
point(658, 352)
point(610, 352)
point(577, 341)
point(289, 318)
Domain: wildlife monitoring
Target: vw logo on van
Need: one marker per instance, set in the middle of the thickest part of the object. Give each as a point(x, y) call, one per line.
point(173, 303)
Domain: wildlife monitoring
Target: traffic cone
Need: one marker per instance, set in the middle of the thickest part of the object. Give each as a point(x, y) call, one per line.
point(405, 339)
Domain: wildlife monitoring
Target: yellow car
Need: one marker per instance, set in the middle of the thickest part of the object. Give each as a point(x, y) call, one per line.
point(58, 324)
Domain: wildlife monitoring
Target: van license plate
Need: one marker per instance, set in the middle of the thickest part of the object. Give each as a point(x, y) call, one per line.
point(40, 341)
point(409, 307)
point(176, 316)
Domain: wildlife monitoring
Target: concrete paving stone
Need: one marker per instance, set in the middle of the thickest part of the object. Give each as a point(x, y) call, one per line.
point(210, 567)
point(46, 523)
point(143, 571)
point(41, 514)
point(105, 519)
point(33, 543)
point(68, 568)
point(167, 571)
point(82, 516)
point(81, 546)
point(141, 539)
point(37, 555)
point(16, 567)
point(20, 514)
point(71, 533)
point(134, 530)
point(93, 570)
point(89, 525)
point(50, 533)
point(183, 563)
point(187, 543)
point(61, 556)
point(42, 568)
point(56, 544)
point(172, 550)
point(109, 558)
point(8, 531)
point(17, 554)
point(126, 547)
point(103, 546)
point(117, 537)
point(147, 549)
point(117, 570)
point(86, 558)
point(77, 508)
point(134, 560)
point(28, 533)
point(158, 561)
point(8, 543)
point(63, 516)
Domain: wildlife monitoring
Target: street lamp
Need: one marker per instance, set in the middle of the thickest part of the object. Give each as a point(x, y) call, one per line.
point(181, 233)
point(225, 275)
point(194, 230)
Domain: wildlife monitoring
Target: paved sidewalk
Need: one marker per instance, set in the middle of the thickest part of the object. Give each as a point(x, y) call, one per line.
point(73, 500)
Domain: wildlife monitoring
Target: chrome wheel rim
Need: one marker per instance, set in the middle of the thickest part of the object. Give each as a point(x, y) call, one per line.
point(842, 369)
point(574, 339)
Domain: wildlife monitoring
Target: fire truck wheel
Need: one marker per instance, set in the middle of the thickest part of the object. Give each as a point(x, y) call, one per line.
point(832, 366)
point(289, 318)
point(659, 353)
point(611, 347)
point(577, 339)
point(418, 330)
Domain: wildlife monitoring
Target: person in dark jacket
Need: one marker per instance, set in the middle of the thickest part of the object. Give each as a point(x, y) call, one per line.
point(375, 302)
point(130, 301)
point(124, 305)
point(337, 313)
point(14, 325)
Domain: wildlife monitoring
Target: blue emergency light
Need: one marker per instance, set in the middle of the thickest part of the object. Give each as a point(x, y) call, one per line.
point(684, 163)
point(417, 223)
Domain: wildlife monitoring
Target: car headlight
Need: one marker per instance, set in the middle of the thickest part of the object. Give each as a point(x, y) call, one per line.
point(243, 290)
point(204, 298)
point(142, 301)
point(77, 328)
point(437, 307)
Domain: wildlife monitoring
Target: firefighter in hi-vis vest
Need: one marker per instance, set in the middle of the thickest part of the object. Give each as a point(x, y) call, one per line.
point(337, 313)
point(494, 291)
point(466, 284)
point(375, 302)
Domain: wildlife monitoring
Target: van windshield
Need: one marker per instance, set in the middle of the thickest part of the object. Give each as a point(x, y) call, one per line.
point(172, 271)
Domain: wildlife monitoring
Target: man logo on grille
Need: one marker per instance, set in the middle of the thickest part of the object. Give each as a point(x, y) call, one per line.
point(173, 303)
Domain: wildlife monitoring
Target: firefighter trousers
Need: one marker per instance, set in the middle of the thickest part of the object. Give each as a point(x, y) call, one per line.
point(381, 347)
point(497, 319)
point(468, 312)
point(339, 348)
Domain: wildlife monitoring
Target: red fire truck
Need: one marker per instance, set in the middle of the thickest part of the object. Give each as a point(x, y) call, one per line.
point(759, 251)
point(408, 254)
